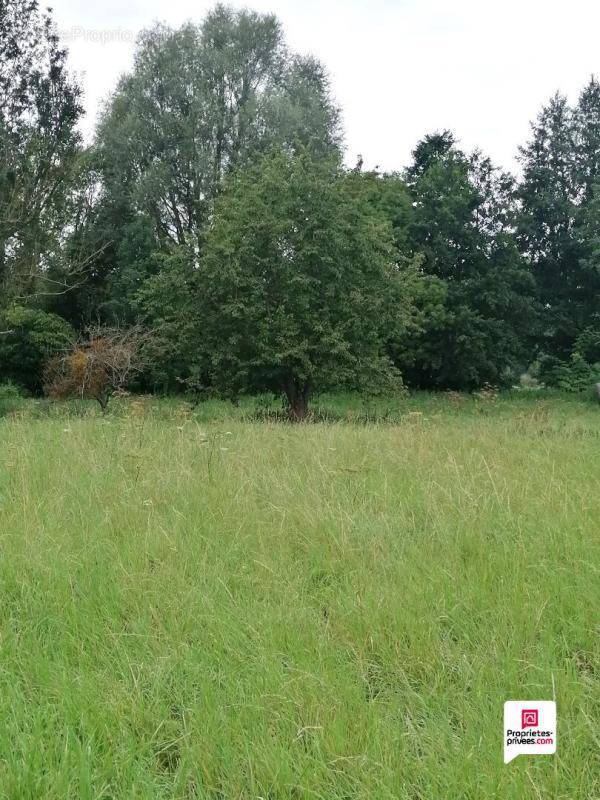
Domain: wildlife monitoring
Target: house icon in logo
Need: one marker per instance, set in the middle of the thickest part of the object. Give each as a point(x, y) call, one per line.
point(529, 718)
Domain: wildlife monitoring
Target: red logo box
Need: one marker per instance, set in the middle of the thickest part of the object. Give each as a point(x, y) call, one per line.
point(529, 717)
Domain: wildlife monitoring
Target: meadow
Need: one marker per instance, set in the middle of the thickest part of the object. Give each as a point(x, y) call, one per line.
point(209, 603)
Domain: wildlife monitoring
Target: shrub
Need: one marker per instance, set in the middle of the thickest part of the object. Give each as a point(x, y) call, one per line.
point(587, 345)
point(574, 375)
point(11, 399)
point(30, 337)
point(102, 362)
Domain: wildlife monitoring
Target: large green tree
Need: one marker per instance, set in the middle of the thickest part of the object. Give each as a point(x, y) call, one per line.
point(200, 102)
point(462, 224)
point(39, 110)
point(39, 145)
point(297, 286)
point(559, 218)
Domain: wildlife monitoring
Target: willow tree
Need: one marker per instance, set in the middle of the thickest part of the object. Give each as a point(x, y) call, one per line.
point(200, 101)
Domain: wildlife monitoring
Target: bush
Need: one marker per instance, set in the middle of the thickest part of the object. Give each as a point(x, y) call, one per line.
point(587, 345)
point(11, 399)
point(29, 338)
point(102, 362)
point(575, 375)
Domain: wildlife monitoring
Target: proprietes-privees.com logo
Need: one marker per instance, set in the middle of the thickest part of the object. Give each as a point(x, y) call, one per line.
point(529, 728)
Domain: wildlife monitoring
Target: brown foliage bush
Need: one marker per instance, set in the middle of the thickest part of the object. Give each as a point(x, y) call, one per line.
point(102, 362)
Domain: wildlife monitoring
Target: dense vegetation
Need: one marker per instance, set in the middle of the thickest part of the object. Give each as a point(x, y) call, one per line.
point(213, 209)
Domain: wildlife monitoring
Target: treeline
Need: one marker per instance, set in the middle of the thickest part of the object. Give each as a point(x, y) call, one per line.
point(213, 209)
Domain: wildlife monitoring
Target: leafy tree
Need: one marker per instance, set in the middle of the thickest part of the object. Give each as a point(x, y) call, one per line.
point(116, 247)
point(104, 360)
point(586, 122)
point(422, 323)
point(390, 197)
point(168, 300)
point(547, 221)
point(431, 149)
point(560, 216)
point(297, 286)
point(201, 100)
point(39, 110)
point(462, 225)
point(587, 173)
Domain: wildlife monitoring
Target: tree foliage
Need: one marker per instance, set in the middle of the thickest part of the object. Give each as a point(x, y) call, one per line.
point(29, 337)
point(297, 281)
point(39, 110)
point(200, 101)
point(214, 206)
point(560, 216)
point(462, 224)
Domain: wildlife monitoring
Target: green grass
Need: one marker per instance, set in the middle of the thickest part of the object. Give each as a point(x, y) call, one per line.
point(196, 604)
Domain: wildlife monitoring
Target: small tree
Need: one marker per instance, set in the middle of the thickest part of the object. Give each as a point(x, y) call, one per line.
point(105, 360)
point(297, 282)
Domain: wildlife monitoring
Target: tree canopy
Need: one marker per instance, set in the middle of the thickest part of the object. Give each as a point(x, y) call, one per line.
point(39, 111)
point(297, 278)
point(462, 222)
point(559, 196)
point(213, 207)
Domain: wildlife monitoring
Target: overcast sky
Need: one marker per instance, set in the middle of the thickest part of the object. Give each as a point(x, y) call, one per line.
point(399, 68)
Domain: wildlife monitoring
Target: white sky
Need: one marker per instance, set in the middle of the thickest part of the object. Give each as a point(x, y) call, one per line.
point(399, 68)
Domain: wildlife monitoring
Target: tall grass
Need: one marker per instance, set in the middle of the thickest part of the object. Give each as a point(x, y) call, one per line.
point(198, 605)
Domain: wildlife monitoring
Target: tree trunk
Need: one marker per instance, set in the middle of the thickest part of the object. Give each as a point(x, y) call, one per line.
point(297, 393)
point(102, 398)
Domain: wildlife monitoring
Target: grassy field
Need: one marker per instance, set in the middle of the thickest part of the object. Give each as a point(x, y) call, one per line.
point(207, 603)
